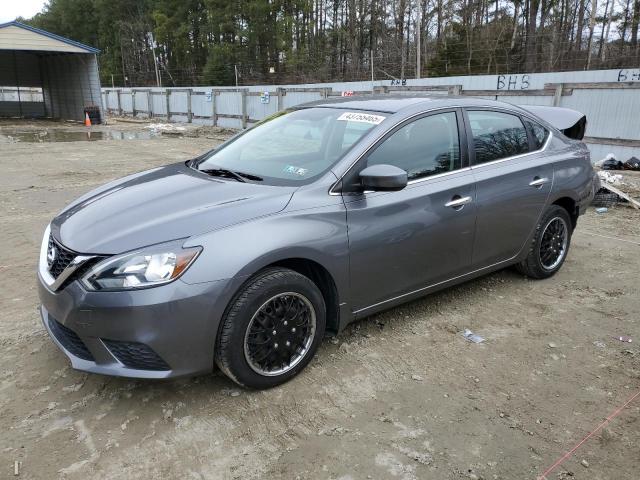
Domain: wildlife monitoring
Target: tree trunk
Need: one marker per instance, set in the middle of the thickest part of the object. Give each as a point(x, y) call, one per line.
point(606, 23)
point(531, 48)
point(581, 10)
point(635, 22)
point(353, 39)
point(592, 25)
point(439, 24)
point(515, 24)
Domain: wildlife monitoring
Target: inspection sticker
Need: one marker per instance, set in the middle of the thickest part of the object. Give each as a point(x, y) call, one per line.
point(301, 172)
point(361, 117)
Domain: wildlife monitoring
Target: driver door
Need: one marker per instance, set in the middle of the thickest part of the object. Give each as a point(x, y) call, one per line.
point(405, 241)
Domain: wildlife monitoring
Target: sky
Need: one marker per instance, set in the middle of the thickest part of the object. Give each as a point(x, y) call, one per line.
point(10, 9)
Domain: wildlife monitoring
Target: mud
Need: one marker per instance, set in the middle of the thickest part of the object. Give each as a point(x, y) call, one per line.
point(400, 395)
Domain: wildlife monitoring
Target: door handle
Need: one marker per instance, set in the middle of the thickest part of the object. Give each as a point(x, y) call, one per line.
point(538, 182)
point(458, 202)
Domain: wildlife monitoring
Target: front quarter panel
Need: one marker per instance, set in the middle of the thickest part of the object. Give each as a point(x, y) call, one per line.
point(317, 233)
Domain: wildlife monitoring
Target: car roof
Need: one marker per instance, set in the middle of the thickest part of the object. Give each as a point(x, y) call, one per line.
point(396, 103)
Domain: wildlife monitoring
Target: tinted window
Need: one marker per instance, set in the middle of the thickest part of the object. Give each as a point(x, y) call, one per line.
point(293, 146)
point(497, 135)
point(540, 134)
point(425, 147)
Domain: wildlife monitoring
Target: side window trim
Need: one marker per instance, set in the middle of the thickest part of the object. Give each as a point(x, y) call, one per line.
point(462, 140)
point(528, 123)
point(471, 146)
point(532, 143)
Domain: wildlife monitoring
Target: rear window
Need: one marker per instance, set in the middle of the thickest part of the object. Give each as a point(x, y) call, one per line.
point(497, 135)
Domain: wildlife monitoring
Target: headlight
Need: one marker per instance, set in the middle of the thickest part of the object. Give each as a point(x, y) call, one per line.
point(141, 269)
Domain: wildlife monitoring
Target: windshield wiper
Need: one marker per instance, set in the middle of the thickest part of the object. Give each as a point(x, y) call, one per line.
point(223, 172)
point(249, 176)
point(216, 171)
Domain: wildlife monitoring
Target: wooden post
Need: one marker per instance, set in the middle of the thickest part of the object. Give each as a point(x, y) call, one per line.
point(119, 103)
point(133, 103)
point(168, 94)
point(244, 108)
point(149, 104)
point(557, 97)
point(280, 99)
point(454, 90)
point(214, 110)
point(189, 112)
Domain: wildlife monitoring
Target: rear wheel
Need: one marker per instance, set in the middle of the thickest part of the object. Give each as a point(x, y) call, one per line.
point(550, 244)
point(271, 329)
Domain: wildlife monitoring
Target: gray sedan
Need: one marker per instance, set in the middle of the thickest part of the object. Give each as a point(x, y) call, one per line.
point(319, 215)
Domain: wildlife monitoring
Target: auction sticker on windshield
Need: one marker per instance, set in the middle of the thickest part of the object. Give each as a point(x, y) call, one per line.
point(361, 117)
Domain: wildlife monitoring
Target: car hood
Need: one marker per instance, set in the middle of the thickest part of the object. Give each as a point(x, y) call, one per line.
point(160, 205)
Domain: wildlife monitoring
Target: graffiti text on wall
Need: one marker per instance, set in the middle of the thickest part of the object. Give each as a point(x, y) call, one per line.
point(629, 75)
point(513, 82)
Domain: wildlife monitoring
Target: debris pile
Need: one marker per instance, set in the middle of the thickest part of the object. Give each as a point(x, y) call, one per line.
point(611, 178)
point(609, 192)
point(610, 162)
point(165, 128)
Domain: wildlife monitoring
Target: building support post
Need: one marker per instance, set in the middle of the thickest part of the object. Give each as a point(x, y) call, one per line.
point(244, 108)
point(214, 112)
point(15, 75)
point(189, 111)
point(168, 94)
point(557, 97)
point(149, 104)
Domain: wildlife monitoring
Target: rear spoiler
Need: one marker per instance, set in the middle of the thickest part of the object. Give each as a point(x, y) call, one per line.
point(570, 122)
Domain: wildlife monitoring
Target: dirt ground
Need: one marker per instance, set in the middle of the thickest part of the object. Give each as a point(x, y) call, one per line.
point(400, 395)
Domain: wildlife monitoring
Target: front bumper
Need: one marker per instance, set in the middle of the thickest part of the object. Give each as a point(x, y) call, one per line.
point(161, 332)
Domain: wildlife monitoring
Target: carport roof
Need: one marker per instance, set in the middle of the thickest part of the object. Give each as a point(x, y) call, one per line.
point(18, 36)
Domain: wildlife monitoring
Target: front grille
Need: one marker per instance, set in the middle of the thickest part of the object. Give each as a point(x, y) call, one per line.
point(136, 355)
point(70, 340)
point(58, 257)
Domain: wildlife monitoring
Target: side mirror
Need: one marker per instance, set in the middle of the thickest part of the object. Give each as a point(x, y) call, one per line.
point(383, 178)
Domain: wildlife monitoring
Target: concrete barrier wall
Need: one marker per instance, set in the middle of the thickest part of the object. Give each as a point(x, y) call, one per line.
point(609, 98)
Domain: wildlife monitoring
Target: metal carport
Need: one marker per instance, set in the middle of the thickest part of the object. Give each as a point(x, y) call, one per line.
point(66, 71)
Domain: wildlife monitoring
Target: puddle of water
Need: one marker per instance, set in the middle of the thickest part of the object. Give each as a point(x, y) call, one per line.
point(53, 135)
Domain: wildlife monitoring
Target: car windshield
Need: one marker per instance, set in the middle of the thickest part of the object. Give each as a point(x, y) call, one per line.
point(291, 147)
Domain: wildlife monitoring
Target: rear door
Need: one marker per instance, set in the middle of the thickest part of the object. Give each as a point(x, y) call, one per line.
point(403, 241)
point(513, 180)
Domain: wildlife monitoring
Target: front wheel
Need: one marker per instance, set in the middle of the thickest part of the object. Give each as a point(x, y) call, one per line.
point(271, 329)
point(550, 244)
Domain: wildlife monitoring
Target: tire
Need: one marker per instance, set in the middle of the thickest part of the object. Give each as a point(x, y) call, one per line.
point(275, 307)
point(538, 264)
